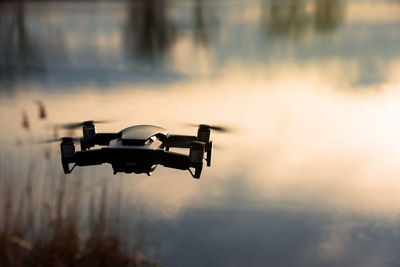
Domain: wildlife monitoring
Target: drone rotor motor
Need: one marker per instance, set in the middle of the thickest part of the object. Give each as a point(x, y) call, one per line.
point(89, 130)
point(203, 134)
point(89, 133)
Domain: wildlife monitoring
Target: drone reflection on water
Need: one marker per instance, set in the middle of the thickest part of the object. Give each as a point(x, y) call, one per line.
point(312, 174)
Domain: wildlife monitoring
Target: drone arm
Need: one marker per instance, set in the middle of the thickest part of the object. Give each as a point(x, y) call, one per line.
point(103, 139)
point(91, 157)
point(180, 141)
point(165, 158)
point(174, 160)
point(179, 161)
point(84, 158)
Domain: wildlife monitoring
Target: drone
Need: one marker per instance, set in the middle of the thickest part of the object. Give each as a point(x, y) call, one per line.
point(137, 149)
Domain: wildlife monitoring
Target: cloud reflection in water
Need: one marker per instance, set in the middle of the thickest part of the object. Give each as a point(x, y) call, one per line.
point(313, 178)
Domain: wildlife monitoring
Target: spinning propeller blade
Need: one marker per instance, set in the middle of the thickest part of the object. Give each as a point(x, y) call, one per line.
point(47, 141)
point(75, 125)
point(217, 128)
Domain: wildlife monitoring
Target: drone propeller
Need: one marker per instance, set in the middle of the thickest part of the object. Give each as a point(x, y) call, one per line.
point(75, 125)
point(47, 141)
point(219, 128)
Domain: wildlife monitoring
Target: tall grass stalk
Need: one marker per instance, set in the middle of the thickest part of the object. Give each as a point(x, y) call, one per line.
point(51, 221)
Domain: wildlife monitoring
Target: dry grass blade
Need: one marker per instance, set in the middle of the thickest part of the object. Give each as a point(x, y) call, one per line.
point(25, 121)
point(53, 229)
point(42, 110)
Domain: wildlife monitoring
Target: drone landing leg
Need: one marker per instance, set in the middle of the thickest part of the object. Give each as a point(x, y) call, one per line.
point(197, 172)
point(66, 168)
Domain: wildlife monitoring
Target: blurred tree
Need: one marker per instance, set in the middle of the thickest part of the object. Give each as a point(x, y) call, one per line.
point(285, 18)
point(294, 18)
point(204, 20)
point(328, 14)
point(19, 55)
point(149, 31)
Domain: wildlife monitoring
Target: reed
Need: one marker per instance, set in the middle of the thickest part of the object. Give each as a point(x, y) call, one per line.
point(51, 221)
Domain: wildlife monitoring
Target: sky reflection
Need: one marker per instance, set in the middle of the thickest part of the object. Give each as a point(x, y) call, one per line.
point(311, 177)
point(301, 140)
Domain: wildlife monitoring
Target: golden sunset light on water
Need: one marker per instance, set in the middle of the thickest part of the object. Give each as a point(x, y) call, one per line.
point(308, 175)
point(300, 140)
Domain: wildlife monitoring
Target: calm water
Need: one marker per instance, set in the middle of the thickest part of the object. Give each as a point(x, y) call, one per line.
point(311, 177)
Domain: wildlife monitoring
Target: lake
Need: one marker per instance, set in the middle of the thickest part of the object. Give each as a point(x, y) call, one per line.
point(309, 177)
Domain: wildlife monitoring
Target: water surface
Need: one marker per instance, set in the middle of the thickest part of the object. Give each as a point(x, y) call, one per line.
point(310, 177)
